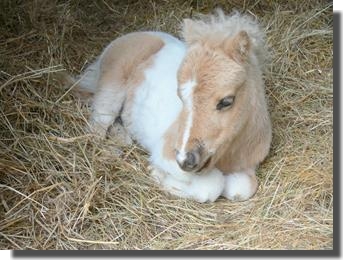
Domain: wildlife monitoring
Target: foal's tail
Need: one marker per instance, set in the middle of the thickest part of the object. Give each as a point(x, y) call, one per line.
point(84, 85)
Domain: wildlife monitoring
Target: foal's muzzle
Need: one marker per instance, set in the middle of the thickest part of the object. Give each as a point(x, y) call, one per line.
point(192, 161)
point(188, 161)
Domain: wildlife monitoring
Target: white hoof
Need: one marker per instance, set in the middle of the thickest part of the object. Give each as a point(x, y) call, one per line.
point(119, 133)
point(97, 129)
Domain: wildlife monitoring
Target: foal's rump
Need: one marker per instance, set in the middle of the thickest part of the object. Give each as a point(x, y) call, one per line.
point(118, 65)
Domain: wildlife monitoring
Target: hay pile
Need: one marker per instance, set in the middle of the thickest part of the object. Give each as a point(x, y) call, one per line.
point(62, 189)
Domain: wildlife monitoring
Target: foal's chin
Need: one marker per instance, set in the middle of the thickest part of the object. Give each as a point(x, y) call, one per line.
point(206, 165)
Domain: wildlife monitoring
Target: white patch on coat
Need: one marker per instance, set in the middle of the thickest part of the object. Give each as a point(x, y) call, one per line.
point(156, 104)
point(186, 91)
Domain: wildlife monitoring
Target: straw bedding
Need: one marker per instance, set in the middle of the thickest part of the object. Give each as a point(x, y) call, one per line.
point(61, 188)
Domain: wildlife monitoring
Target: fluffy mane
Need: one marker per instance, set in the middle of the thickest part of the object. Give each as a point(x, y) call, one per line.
point(215, 28)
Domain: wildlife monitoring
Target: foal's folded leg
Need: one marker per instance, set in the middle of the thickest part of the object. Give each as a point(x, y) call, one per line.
point(240, 186)
point(201, 188)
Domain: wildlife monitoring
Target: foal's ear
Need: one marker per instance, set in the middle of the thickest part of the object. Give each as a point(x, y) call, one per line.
point(238, 47)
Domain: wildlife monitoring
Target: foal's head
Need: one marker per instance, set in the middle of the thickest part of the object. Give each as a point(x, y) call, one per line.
point(211, 85)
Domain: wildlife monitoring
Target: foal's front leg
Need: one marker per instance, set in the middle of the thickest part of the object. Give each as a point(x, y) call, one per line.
point(240, 186)
point(201, 188)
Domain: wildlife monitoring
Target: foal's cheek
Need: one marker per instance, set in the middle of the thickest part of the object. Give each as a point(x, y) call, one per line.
point(215, 134)
point(224, 132)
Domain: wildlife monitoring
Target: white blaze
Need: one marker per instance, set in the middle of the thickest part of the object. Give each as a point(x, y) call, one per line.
point(187, 96)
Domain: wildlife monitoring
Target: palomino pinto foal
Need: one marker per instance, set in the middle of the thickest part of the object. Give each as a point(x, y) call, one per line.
point(197, 106)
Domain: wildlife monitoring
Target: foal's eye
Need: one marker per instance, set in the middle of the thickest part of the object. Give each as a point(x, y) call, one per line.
point(226, 102)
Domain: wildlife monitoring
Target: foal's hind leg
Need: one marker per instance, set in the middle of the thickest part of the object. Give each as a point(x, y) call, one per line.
point(107, 103)
point(119, 133)
point(119, 64)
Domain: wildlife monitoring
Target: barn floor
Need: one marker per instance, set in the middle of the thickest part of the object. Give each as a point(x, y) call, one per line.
point(62, 189)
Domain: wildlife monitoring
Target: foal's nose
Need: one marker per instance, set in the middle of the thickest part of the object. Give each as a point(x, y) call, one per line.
point(188, 161)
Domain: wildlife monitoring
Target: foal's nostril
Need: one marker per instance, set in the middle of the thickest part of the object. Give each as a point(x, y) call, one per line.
point(190, 160)
point(187, 162)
